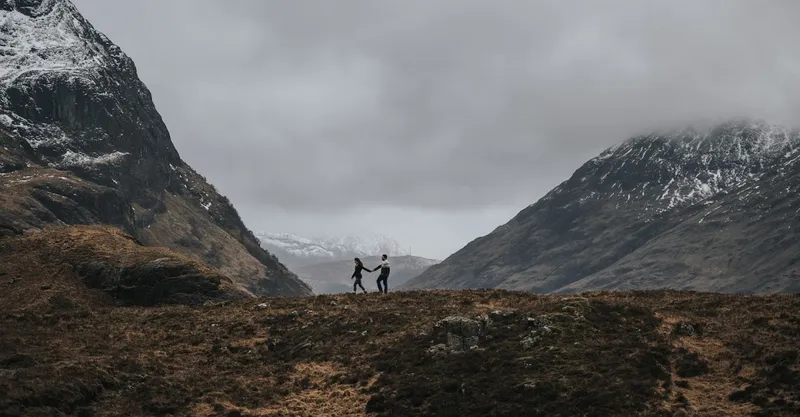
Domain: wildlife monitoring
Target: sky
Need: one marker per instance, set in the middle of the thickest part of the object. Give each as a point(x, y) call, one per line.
point(436, 122)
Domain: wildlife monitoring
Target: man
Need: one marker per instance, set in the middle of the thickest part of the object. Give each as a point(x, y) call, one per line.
point(384, 275)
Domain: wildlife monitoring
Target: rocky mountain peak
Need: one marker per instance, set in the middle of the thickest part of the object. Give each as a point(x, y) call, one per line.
point(682, 167)
point(72, 108)
point(626, 218)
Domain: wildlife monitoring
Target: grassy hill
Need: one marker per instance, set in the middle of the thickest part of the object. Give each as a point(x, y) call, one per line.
point(70, 350)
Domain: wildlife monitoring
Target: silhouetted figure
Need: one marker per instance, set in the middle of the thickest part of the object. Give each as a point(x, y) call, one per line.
point(384, 275)
point(357, 275)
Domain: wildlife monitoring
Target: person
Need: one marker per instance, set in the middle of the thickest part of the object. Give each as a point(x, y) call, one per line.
point(384, 275)
point(357, 275)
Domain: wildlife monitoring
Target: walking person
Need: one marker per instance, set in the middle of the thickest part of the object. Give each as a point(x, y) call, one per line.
point(357, 275)
point(384, 275)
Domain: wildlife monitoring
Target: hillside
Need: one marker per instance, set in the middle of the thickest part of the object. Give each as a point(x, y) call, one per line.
point(67, 350)
point(297, 251)
point(334, 277)
point(694, 210)
point(81, 142)
point(69, 262)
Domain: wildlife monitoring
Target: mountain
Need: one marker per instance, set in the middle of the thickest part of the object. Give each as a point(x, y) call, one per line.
point(81, 142)
point(710, 210)
point(298, 251)
point(334, 277)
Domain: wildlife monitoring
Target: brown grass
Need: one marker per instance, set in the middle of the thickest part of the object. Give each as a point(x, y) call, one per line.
point(56, 265)
point(612, 354)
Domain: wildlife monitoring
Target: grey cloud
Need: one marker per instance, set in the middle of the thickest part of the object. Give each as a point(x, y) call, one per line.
point(455, 104)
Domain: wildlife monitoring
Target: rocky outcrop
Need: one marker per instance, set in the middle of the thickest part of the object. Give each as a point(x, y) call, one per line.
point(461, 334)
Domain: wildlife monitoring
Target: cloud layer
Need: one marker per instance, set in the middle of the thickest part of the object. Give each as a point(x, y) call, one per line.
point(453, 105)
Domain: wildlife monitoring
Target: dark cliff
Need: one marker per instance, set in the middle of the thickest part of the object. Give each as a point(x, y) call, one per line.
point(82, 143)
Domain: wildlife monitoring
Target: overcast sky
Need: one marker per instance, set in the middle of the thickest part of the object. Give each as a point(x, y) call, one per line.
point(436, 121)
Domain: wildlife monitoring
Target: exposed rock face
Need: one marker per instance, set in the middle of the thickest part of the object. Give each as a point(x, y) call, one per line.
point(713, 211)
point(82, 143)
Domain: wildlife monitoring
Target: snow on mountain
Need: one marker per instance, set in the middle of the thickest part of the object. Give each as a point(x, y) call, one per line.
point(72, 100)
point(703, 209)
point(300, 251)
point(46, 37)
point(45, 46)
point(667, 170)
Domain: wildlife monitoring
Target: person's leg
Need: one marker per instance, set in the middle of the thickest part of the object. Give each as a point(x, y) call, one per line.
point(362, 287)
point(354, 286)
point(385, 287)
point(386, 284)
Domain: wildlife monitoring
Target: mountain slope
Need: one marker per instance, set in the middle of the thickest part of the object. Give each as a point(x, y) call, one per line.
point(334, 277)
point(297, 251)
point(82, 143)
point(690, 210)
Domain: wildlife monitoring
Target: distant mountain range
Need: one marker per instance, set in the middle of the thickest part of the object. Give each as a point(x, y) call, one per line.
point(703, 210)
point(296, 251)
point(334, 277)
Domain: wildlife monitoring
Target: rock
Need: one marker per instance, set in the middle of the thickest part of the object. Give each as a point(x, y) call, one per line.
point(333, 303)
point(537, 322)
point(685, 329)
point(530, 341)
point(461, 333)
point(498, 314)
point(439, 350)
point(261, 306)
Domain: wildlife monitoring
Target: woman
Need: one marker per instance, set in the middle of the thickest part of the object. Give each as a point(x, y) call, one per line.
point(357, 275)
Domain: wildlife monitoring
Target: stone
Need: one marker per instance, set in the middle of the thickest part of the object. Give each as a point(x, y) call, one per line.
point(461, 333)
point(530, 341)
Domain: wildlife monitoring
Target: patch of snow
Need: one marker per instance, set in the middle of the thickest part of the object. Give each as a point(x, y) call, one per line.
point(331, 247)
point(55, 40)
point(77, 159)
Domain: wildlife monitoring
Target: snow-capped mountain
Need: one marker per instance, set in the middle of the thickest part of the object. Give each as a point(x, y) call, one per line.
point(296, 251)
point(708, 209)
point(81, 142)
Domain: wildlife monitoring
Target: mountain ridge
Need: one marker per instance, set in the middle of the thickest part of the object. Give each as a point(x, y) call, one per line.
point(614, 204)
point(298, 251)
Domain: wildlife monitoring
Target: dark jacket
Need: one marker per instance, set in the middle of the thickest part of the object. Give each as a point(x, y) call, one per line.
point(357, 272)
